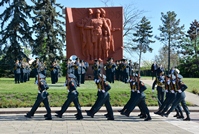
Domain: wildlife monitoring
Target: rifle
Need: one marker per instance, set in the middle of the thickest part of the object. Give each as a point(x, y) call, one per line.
point(38, 82)
point(101, 72)
point(138, 81)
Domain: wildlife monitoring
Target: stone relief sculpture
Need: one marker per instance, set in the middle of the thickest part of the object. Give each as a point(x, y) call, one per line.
point(96, 35)
point(86, 35)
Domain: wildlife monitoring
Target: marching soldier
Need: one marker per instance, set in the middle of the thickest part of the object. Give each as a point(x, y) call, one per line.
point(132, 82)
point(42, 96)
point(72, 97)
point(180, 98)
point(160, 91)
point(139, 100)
point(103, 98)
point(170, 89)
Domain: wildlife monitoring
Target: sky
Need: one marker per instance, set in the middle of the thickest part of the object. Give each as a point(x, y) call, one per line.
point(187, 11)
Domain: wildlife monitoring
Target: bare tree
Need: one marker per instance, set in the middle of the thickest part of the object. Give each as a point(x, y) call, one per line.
point(131, 17)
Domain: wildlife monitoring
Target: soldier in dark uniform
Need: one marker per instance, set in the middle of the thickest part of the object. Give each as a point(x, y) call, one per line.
point(54, 72)
point(82, 71)
point(41, 97)
point(117, 70)
point(112, 72)
point(76, 69)
point(160, 91)
point(170, 96)
point(132, 82)
point(72, 97)
point(139, 100)
point(36, 67)
point(17, 71)
point(180, 98)
point(154, 68)
point(22, 69)
point(103, 98)
point(96, 69)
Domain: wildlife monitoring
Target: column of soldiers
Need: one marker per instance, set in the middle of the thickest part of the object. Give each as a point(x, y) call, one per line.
point(21, 71)
point(171, 85)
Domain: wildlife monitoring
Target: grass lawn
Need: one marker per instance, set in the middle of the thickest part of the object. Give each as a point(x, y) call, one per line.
point(24, 94)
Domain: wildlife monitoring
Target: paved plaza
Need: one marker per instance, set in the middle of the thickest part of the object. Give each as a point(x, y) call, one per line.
point(18, 124)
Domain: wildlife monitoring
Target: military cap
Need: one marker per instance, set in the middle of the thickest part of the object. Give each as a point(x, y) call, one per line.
point(71, 76)
point(41, 76)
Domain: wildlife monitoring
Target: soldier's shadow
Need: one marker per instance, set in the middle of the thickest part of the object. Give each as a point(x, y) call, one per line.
point(40, 117)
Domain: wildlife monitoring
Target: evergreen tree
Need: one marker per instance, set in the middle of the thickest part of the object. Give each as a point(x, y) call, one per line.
point(171, 32)
point(48, 28)
point(15, 30)
point(142, 38)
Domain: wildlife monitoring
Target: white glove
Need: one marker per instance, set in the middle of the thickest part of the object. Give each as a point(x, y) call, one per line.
point(103, 91)
point(36, 82)
point(179, 91)
point(166, 91)
point(133, 83)
point(133, 90)
point(172, 91)
point(168, 82)
point(138, 91)
point(173, 82)
point(152, 90)
point(68, 90)
point(99, 90)
point(97, 80)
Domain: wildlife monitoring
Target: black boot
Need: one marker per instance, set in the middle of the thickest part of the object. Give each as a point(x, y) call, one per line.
point(188, 118)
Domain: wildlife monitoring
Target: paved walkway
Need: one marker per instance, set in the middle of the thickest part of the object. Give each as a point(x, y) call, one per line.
point(18, 124)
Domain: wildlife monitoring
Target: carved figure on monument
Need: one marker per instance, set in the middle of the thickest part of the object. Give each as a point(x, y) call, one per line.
point(98, 23)
point(105, 44)
point(86, 35)
point(108, 21)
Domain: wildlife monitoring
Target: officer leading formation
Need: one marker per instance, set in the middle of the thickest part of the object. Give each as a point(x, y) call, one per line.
point(170, 89)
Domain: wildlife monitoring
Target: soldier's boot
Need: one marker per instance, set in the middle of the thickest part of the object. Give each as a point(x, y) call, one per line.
point(188, 118)
point(148, 118)
point(181, 116)
point(176, 115)
point(79, 116)
point(122, 110)
point(110, 117)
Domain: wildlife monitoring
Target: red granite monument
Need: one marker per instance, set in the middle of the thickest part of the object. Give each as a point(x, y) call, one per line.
point(93, 33)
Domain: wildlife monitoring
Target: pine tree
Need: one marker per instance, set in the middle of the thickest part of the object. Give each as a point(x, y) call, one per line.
point(15, 30)
point(48, 28)
point(142, 38)
point(171, 32)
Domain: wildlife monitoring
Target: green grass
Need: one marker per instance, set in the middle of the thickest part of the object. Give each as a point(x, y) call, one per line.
point(24, 94)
